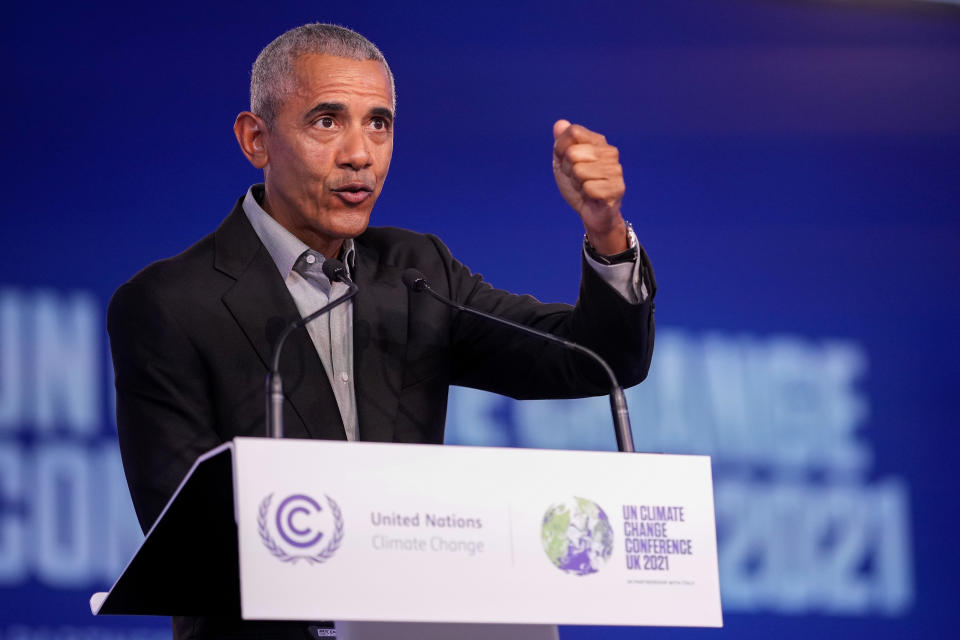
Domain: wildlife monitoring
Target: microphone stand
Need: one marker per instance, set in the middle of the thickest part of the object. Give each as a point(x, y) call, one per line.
point(336, 272)
point(415, 281)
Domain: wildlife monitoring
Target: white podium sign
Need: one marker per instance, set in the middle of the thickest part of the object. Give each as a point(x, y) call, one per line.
point(421, 533)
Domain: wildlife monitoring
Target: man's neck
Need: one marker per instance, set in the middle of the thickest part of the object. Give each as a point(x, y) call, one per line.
point(329, 247)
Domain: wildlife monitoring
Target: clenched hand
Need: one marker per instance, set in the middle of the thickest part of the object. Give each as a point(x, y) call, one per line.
point(590, 178)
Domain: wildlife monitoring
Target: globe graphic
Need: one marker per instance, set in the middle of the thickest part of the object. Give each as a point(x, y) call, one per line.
point(577, 536)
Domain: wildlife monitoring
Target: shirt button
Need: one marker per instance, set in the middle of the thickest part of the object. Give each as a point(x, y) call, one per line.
point(344, 376)
point(310, 258)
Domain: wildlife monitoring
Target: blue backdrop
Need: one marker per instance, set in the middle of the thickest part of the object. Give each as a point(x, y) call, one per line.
point(792, 169)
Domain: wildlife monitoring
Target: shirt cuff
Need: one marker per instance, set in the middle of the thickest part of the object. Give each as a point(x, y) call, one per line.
point(626, 278)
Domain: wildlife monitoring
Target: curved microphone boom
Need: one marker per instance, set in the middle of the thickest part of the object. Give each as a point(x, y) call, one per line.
point(336, 272)
point(416, 282)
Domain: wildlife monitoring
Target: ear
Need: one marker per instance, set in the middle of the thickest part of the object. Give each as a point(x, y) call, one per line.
point(251, 132)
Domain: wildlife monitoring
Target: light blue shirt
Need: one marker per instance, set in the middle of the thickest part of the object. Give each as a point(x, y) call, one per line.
point(331, 333)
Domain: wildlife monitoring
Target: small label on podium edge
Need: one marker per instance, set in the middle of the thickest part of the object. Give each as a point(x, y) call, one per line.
point(96, 601)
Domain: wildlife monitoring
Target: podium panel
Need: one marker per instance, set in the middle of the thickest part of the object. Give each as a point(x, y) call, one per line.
point(423, 533)
point(426, 536)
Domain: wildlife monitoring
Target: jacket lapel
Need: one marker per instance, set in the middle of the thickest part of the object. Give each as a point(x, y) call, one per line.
point(261, 304)
point(379, 344)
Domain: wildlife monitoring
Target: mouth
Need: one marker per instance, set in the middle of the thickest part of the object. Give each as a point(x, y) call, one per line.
point(353, 192)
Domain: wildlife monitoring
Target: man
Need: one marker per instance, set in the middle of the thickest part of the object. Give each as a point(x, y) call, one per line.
point(192, 335)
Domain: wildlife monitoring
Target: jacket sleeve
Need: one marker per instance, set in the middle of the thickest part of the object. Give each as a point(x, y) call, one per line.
point(163, 407)
point(500, 359)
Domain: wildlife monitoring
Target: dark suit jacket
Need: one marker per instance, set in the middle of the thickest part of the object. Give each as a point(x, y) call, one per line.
point(191, 337)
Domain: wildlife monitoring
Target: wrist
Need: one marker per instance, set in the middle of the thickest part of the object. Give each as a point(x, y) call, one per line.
point(624, 249)
point(610, 240)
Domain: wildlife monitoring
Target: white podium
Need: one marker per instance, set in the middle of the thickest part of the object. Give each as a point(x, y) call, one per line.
point(354, 531)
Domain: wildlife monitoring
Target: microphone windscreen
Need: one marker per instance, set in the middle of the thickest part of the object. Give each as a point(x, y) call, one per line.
point(414, 280)
point(334, 269)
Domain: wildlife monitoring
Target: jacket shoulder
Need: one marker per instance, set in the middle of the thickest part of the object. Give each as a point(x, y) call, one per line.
point(180, 283)
point(399, 247)
point(198, 264)
point(383, 238)
point(179, 269)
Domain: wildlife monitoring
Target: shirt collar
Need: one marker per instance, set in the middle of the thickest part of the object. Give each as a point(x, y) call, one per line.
point(284, 247)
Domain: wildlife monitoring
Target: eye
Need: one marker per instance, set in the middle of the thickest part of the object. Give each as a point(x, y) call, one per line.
point(325, 122)
point(379, 124)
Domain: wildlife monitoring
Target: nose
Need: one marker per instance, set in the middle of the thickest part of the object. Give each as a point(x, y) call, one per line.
point(354, 152)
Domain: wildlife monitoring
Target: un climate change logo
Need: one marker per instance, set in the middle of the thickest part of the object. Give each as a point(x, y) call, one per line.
point(306, 530)
point(577, 536)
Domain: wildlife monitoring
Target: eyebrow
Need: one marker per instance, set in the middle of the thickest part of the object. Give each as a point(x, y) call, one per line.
point(337, 107)
point(327, 106)
point(383, 112)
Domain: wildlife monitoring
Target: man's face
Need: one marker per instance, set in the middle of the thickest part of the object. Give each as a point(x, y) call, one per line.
point(329, 148)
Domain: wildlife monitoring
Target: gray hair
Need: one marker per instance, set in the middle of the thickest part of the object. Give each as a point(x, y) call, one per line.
point(271, 78)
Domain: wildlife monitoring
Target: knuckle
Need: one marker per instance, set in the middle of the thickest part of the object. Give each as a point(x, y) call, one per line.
point(589, 152)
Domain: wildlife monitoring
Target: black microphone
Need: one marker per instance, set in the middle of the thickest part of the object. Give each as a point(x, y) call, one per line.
point(336, 272)
point(416, 282)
